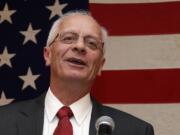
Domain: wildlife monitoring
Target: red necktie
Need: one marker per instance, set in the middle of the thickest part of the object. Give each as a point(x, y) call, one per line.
point(64, 126)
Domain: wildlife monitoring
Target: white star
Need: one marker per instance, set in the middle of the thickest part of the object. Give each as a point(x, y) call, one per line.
point(5, 58)
point(56, 9)
point(4, 100)
point(29, 79)
point(6, 13)
point(30, 34)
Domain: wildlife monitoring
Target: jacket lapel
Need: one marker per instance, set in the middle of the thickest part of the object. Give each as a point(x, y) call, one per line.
point(31, 117)
point(96, 113)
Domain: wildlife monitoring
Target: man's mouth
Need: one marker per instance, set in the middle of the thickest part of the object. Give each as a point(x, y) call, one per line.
point(76, 61)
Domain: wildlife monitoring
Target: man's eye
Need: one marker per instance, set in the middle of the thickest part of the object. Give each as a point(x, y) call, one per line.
point(68, 38)
point(92, 44)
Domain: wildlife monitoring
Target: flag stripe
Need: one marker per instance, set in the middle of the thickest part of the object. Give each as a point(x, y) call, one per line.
point(143, 52)
point(138, 86)
point(130, 1)
point(138, 19)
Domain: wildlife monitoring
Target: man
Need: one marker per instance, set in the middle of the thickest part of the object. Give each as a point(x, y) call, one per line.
point(75, 54)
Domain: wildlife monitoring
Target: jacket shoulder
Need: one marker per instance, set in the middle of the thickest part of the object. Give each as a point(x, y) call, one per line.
point(125, 123)
point(29, 105)
point(122, 115)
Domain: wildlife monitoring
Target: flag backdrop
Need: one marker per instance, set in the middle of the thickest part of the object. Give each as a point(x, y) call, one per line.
point(142, 71)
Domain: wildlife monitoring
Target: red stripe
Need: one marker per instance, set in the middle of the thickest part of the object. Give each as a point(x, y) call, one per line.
point(138, 19)
point(138, 86)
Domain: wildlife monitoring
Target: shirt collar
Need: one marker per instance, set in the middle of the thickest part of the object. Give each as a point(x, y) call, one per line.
point(81, 108)
point(52, 105)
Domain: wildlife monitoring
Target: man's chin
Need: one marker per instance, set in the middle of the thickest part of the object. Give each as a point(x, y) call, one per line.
point(76, 76)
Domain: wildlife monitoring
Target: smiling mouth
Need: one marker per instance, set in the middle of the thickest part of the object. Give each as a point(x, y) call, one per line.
point(76, 61)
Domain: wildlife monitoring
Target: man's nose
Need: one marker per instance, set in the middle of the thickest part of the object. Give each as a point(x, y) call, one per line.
point(79, 46)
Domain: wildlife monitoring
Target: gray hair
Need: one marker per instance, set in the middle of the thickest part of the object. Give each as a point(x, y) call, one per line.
point(54, 29)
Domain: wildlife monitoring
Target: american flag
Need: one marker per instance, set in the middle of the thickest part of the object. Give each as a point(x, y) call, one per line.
point(142, 71)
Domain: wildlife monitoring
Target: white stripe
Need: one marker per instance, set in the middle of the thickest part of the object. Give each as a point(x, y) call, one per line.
point(130, 1)
point(143, 52)
point(164, 117)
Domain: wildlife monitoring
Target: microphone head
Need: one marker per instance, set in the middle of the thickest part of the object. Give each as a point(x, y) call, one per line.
point(105, 124)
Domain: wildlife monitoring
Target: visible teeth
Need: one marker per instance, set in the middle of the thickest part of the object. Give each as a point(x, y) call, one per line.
point(76, 61)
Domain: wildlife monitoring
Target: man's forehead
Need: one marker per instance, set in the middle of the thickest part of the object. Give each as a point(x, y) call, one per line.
point(78, 19)
point(80, 23)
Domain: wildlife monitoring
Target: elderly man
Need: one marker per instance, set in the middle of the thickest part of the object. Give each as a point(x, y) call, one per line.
point(75, 54)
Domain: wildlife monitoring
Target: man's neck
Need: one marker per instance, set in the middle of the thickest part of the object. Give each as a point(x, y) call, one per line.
point(70, 92)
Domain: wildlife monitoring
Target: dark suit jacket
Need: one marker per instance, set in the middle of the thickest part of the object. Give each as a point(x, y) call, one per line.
point(26, 118)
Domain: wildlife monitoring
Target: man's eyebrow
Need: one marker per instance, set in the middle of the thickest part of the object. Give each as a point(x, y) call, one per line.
point(69, 32)
point(76, 33)
point(91, 36)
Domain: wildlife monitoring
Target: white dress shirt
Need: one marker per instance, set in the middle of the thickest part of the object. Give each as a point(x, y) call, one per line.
point(80, 121)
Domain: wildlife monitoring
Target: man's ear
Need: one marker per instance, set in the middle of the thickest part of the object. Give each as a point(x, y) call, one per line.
point(47, 55)
point(101, 66)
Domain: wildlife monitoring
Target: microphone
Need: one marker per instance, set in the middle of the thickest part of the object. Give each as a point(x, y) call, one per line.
point(104, 125)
